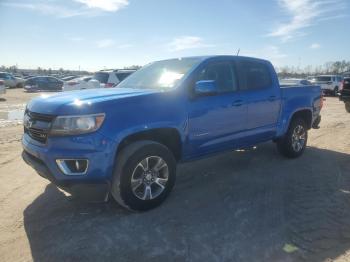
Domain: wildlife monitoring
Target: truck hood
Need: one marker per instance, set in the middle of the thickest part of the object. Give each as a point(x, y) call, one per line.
point(83, 101)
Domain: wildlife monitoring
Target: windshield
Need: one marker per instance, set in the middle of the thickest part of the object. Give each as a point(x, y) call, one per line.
point(160, 75)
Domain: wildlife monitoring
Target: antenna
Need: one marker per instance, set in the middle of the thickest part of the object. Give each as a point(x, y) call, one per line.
point(238, 51)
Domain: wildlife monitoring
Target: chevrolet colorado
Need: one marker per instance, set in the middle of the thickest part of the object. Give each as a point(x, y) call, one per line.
point(126, 141)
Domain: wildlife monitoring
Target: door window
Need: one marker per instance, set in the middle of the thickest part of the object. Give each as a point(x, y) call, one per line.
point(222, 73)
point(254, 75)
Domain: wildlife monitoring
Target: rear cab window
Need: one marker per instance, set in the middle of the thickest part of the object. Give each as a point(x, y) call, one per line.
point(254, 75)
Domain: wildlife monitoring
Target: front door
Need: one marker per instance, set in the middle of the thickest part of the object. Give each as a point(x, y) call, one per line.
point(215, 121)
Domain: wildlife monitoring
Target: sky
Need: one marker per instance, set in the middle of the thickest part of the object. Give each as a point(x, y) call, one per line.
point(98, 34)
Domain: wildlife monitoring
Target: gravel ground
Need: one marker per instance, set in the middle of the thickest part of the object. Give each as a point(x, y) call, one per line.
point(251, 205)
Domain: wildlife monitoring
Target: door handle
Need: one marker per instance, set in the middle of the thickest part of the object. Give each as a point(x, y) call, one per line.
point(272, 98)
point(237, 103)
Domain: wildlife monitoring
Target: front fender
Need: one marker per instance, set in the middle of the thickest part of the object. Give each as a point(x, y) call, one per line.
point(120, 136)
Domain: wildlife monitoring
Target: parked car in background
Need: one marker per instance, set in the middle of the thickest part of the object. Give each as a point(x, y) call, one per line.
point(126, 141)
point(10, 81)
point(43, 83)
point(294, 82)
point(345, 93)
point(111, 78)
point(330, 84)
point(2, 87)
point(28, 76)
point(68, 78)
point(80, 83)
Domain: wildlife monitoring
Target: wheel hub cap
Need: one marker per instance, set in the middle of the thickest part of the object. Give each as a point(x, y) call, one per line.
point(149, 178)
point(298, 138)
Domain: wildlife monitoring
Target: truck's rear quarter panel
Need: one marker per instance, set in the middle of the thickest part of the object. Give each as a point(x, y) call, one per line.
point(297, 98)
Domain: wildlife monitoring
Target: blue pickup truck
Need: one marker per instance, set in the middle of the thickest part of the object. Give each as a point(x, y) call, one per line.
point(126, 141)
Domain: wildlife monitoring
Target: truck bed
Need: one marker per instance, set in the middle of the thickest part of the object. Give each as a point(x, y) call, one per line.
point(295, 98)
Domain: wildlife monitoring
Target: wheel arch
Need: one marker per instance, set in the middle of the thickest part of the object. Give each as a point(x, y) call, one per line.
point(305, 114)
point(169, 137)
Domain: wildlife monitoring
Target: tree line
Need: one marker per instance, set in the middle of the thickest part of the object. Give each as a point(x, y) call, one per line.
point(43, 71)
point(329, 68)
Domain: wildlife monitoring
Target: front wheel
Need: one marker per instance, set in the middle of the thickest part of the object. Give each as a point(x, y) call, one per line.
point(347, 106)
point(144, 175)
point(294, 142)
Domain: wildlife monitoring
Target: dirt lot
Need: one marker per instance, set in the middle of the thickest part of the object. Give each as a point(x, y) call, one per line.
point(251, 205)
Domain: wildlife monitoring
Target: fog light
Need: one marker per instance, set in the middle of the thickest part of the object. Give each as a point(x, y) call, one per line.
point(73, 167)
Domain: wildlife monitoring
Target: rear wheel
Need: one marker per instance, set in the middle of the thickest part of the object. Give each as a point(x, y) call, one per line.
point(347, 106)
point(144, 175)
point(293, 144)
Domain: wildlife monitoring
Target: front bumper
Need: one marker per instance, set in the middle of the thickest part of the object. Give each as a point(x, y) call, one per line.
point(94, 185)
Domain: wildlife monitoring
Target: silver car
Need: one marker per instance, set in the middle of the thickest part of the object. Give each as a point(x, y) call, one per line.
point(2, 87)
point(11, 81)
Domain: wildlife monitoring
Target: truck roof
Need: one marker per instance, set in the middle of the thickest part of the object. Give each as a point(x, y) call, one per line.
point(218, 56)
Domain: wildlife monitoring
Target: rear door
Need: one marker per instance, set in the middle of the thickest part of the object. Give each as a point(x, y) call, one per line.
point(41, 83)
point(51, 84)
point(216, 121)
point(262, 95)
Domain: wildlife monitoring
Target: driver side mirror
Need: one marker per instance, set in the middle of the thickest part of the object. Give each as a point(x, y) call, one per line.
point(206, 87)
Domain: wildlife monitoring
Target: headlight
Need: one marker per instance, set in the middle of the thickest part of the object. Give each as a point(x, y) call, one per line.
point(75, 125)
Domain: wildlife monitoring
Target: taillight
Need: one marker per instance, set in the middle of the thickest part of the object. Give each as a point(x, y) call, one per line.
point(109, 85)
point(72, 83)
point(341, 85)
point(1, 82)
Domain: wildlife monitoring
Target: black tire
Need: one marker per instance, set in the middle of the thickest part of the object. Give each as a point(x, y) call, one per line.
point(19, 85)
point(127, 163)
point(285, 144)
point(347, 106)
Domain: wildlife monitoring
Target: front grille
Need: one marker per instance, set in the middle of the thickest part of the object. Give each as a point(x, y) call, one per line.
point(37, 126)
point(40, 117)
point(37, 134)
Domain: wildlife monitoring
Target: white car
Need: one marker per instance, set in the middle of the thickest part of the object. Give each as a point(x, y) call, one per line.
point(329, 83)
point(111, 78)
point(85, 82)
point(2, 87)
